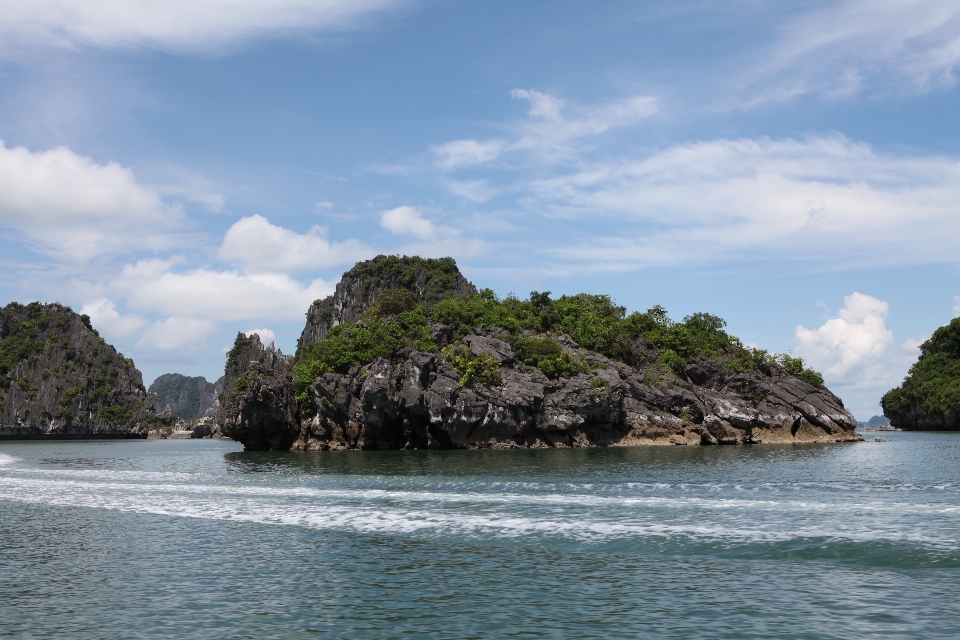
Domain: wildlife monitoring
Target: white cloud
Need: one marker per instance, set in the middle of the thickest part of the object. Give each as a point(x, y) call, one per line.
point(956, 306)
point(911, 347)
point(475, 190)
point(203, 294)
point(908, 46)
point(547, 133)
point(743, 199)
point(105, 318)
point(266, 335)
point(461, 153)
point(69, 207)
point(264, 247)
point(848, 349)
point(407, 221)
point(176, 333)
point(172, 24)
point(542, 105)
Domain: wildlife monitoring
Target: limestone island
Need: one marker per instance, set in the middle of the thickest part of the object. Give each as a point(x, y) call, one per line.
point(408, 354)
point(929, 398)
point(60, 380)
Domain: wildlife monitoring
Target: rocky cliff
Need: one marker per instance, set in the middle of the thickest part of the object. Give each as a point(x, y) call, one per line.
point(471, 371)
point(258, 408)
point(929, 398)
point(359, 289)
point(186, 397)
point(60, 379)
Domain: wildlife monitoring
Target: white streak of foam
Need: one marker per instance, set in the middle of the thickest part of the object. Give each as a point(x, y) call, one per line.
point(391, 511)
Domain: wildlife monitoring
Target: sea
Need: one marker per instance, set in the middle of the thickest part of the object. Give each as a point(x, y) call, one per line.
point(199, 539)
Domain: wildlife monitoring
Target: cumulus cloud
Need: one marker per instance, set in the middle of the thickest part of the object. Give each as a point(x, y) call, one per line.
point(911, 347)
point(105, 318)
point(266, 335)
point(906, 46)
point(214, 296)
point(70, 207)
point(825, 196)
point(406, 221)
point(264, 247)
point(849, 348)
point(170, 25)
point(176, 333)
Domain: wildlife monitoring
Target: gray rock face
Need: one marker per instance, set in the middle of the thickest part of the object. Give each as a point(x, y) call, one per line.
point(415, 400)
point(915, 418)
point(417, 403)
point(360, 287)
point(188, 398)
point(60, 379)
point(258, 407)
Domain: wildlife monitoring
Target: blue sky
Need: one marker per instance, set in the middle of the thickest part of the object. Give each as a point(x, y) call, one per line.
point(182, 171)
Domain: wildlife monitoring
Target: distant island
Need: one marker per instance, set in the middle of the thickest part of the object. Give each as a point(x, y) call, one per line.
point(407, 354)
point(188, 398)
point(929, 398)
point(875, 422)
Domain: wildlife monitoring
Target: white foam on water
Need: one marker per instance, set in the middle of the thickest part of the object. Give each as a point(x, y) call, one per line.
point(6, 460)
point(579, 517)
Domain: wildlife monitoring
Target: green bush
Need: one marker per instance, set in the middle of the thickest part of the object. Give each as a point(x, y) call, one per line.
point(673, 361)
point(346, 346)
point(473, 367)
point(795, 367)
point(395, 301)
point(243, 383)
point(547, 355)
point(241, 343)
point(28, 387)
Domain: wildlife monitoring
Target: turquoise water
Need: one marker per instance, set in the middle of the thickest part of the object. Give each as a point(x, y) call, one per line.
point(184, 538)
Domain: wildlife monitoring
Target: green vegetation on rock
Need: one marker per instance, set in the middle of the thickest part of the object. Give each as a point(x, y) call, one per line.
point(933, 382)
point(238, 346)
point(547, 355)
point(594, 322)
point(439, 274)
point(473, 367)
point(382, 331)
point(62, 369)
point(20, 341)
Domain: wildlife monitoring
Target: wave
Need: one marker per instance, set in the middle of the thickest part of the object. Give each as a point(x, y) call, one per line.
point(508, 515)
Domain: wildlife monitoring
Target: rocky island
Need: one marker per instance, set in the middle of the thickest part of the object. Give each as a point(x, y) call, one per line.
point(60, 379)
point(190, 398)
point(929, 398)
point(407, 354)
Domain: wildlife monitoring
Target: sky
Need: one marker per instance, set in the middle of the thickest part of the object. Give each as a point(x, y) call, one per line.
point(186, 170)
